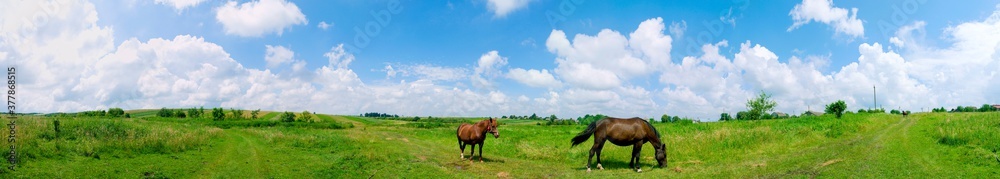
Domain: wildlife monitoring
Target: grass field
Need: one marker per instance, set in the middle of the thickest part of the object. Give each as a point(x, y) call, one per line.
point(923, 145)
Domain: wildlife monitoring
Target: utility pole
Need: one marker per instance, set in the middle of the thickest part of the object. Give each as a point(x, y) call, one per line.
point(874, 95)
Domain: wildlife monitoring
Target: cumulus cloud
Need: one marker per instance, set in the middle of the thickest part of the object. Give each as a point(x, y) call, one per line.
point(84, 70)
point(534, 78)
point(604, 61)
point(823, 11)
point(257, 18)
point(277, 55)
point(487, 68)
point(180, 5)
point(501, 8)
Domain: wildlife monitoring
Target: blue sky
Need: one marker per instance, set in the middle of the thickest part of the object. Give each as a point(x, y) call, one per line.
point(444, 49)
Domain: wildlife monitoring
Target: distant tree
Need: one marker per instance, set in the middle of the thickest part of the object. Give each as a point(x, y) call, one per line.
point(201, 111)
point(127, 115)
point(193, 112)
point(742, 115)
point(287, 117)
point(116, 112)
point(552, 118)
point(164, 112)
point(725, 117)
point(895, 112)
point(986, 108)
point(837, 108)
point(760, 105)
point(860, 111)
point(218, 114)
point(675, 119)
point(179, 113)
point(306, 116)
point(254, 113)
point(664, 118)
point(236, 114)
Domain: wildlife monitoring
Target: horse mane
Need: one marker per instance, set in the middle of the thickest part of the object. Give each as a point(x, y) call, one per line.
point(651, 127)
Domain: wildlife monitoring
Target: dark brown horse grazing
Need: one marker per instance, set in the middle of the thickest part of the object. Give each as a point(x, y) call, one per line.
point(472, 134)
point(623, 132)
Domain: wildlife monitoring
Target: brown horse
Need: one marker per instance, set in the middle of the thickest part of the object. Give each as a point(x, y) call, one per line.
point(623, 132)
point(472, 134)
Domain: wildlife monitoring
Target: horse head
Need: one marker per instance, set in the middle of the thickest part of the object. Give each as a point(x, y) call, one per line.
point(492, 127)
point(661, 155)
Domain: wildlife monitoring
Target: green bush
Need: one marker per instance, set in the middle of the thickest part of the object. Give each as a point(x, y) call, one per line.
point(837, 108)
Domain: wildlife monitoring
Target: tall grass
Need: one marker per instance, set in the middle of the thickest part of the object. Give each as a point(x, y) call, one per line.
point(102, 138)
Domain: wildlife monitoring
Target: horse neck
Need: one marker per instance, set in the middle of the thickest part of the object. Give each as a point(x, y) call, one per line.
point(482, 125)
point(651, 135)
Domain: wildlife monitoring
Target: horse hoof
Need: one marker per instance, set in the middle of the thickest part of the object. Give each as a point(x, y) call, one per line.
point(638, 170)
point(600, 167)
point(588, 170)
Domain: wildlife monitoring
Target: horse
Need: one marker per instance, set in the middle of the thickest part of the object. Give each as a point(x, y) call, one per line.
point(472, 134)
point(906, 113)
point(623, 132)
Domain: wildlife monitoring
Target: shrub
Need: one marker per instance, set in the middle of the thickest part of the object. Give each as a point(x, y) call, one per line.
point(287, 117)
point(218, 114)
point(306, 116)
point(164, 112)
point(116, 112)
point(837, 108)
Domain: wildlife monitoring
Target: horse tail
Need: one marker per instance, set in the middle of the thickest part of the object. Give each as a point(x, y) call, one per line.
point(583, 136)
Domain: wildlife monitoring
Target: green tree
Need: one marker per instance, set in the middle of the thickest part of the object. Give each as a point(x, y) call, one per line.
point(287, 117)
point(254, 113)
point(725, 117)
point(675, 119)
point(759, 106)
point(218, 114)
point(533, 116)
point(179, 113)
point(837, 108)
point(164, 112)
point(664, 118)
point(193, 112)
point(552, 118)
point(742, 115)
point(116, 112)
point(306, 116)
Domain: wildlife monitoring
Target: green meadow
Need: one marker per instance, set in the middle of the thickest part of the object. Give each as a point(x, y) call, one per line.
point(922, 145)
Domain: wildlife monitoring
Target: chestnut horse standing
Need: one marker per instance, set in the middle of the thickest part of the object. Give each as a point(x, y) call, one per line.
point(472, 134)
point(623, 132)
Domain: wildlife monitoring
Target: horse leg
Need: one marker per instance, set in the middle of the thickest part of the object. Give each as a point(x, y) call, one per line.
point(481, 152)
point(461, 146)
point(636, 150)
point(593, 149)
point(472, 155)
point(599, 150)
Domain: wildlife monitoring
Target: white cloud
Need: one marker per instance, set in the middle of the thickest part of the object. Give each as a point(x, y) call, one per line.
point(180, 5)
point(277, 55)
point(823, 11)
point(605, 61)
point(677, 29)
point(501, 8)
point(323, 25)
point(257, 18)
point(487, 68)
point(534, 78)
point(338, 57)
